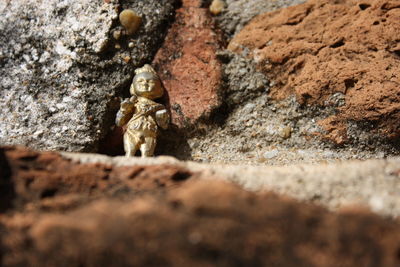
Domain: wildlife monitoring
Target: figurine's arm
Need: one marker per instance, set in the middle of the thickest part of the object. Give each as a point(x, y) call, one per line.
point(126, 110)
point(162, 118)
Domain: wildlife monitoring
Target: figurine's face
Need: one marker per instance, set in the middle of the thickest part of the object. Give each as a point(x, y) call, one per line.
point(147, 85)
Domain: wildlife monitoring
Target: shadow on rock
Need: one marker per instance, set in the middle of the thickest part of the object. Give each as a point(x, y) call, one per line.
point(7, 192)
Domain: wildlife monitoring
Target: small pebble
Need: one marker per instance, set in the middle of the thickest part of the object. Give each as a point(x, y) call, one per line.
point(216, 7)
point(130, 20)
point(271, 154)
point(117, 35)
point(117, 46)
point(127, 59)
point(131, 45)
point(286, 132)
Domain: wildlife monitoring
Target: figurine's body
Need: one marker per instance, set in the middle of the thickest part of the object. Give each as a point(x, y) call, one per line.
point(142, 115)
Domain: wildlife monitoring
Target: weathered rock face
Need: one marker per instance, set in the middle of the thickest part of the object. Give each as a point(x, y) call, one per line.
point(70, 214)
point(322, 51)
point(62, 67)
point(188, 66)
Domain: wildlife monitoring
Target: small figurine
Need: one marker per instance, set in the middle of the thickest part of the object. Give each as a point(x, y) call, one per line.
point(142, 115)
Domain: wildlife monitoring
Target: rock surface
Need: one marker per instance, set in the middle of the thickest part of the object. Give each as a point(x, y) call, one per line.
point(374, 183)
point(238, 13)
point(188, 66)
point(320, 50)
point(64, 66)
point(163, 212)
point(252, 121)
point(63, 63)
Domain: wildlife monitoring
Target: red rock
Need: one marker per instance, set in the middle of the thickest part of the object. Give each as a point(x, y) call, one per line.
point(324, 47)
point(202, 223)
point(34, 176)
point(188, 66)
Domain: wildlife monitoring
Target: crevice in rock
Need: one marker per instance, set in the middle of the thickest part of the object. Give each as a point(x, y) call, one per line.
point(349, 83)
point(181, 176)
point(364, 6)
point(390, 5)
point(177, 5)
point(338, 43)
point(111, 142)
point(7, 191)
point(221, 114)
point(48, 192)
point(397, 52)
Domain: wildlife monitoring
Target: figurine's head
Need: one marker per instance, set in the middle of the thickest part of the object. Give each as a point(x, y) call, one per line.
point(146, 83)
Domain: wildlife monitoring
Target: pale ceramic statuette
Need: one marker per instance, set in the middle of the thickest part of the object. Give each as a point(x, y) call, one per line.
point(141, 114)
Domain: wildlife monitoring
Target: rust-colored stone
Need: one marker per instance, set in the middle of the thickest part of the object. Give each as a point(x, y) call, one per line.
point(335, 130)
point(324, 47)
point(35, 176)
point(188, 66)
point(71, 214)
point(201, 223)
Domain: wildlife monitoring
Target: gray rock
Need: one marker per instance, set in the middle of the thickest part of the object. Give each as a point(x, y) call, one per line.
point(62, 72)
point(271, 154)
point(244, 82)
point(238, 12)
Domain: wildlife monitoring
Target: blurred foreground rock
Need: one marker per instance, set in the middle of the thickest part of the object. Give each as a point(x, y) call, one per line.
point(93, 210)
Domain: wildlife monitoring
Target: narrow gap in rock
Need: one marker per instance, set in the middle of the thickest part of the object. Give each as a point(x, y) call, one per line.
point(349, 83)
point(297, 68)
point(112, 143)
point(306, 97)
point(337, 44)
point(397, 52)
point(221, 114)
point(364, 6)
point(49, 192)
point(7, 191)
point(177, 4)
point(205, 3)
point(181, 176)
point(389, 6)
